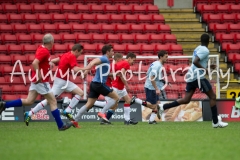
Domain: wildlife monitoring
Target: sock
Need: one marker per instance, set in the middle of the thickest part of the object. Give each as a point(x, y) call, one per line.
point(80, 112)
point(100, 103)
point(110, 113)
point(170, 105)
point(141, 102)
point(38, 107)
point(73, 103)
point(127, 111)
point(109, 104)
point(152, 117)
point(214, 114)
point(56, 115)
point(15, 103)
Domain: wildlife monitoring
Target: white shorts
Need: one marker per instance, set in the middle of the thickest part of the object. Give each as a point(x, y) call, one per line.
point(120, 93)
point(41, 88)
point(60, 86)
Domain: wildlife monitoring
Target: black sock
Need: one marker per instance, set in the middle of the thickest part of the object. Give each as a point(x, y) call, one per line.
point(170, 105)
point(144, 103)
point(214, 114)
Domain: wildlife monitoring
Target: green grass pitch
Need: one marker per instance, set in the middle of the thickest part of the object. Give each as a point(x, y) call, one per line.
point(164, 141)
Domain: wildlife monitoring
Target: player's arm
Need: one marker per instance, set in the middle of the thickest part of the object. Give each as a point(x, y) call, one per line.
point(55, 60)
point(35, 65)
point(123, 77)
point(94, 62)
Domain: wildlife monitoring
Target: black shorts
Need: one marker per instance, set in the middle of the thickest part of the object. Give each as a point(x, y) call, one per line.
point(97, 88)
point(205, 85)
point(151, 96)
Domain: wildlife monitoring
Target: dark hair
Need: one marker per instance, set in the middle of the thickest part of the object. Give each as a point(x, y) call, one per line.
point(131, 55)
point(117, 56)
point(162, 53)
point(77, 47)
point(106, 48)
point(204, 38)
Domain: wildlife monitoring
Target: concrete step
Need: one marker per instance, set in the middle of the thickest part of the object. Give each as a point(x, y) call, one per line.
point(188, 40)
point(194, 44)
point(190, 49)
point(178, 16)
point(183, 30)
point(180, 11)
point(195, 35)
point(185, 25)
point(169, 20)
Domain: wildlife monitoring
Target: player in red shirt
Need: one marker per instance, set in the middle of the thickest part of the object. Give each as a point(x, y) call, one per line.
point(39, 83)
point(66, 63)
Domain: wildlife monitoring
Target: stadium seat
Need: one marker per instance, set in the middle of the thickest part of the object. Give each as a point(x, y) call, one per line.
point(160, 47)
point(68, 38)
point(83, 38)
point(122, 28)
point(214, 18)
point(139, 9)
point(102, 18)
point(136, 28)
point(237, 67)
point(38, 8)
point(156, 38)
point(234, 8)
point(228, 18)
point(37, 38)
point(57, 38)
point(98, 9)
point(82, 8)
point(134, 48)
point(175, 49)
point(8, 38)
point(126, 38)
point(68, 8)
point(78, 28)
point(164, 28)
point(3, 18)
point(9, 8)
point(150, 28)
point(16, 57)
point(53, 8)
point(223, 37)
point(93, 28)
point(169, 38)
point(233, 28)
point(88, 18)
point(152, 9)
point(49, 28)
point(19, 28)
point(107, 28)
point(59, 48)
point(144, 18)
point(98, 38)
point(237, 20)
point(147, 49)
point(44, 18)
point(157, 19)
point(110, 9)
point(3, 49)
point(119, 48)
point(14, 18)
point(29, 18)
point(24, 38)
point(58, 18)
point(6, 28)
point(236, 37)
point(220, 28)
point(116, 18)
point(73, 18)
point(90, 48)
point(29, 49)
point(24, 8)
point(128, 18)
point(125, 9)
point(222, 8)
point(99, 48)
point(141, 38)
point(63, 28)
point(6, 59)
point(30, 58)
point(14, 49)
point(233, 48)
point(207, 9)
point(224, 46)
point(112, 38)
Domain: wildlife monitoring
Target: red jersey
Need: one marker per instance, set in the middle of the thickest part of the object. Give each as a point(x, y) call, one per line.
point(109, 79)
point(67, 62)
point(117, 83)
point(43, 55)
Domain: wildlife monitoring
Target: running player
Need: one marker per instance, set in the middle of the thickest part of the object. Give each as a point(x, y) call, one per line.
point(40, 85)
point(67, 63)
point(198, 67)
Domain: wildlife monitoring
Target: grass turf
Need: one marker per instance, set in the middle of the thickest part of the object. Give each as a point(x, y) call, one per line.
point(165, 141)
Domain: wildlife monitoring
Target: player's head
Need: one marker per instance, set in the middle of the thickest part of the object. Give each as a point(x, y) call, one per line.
point(163, 56)
point(107, 50)
point(205, 39)
point(48, 41)
point(118, 57)
point(77, 49)
point(131, 57)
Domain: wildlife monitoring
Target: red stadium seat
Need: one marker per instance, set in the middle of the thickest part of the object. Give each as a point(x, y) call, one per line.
point(135, 48)
point(98, 9)
point(9, 97)
point(49, 28)
point(208, 8)
point(3, 49)
point(37, 38)
point(10, 8)
point(150, 28)
point(237, 67)
point(59, 48)
point(211, 18)
point(147, 49)
point(172, 96)
point(228, 18)
point(116, 18)
point(156, 38)
point(19, 28)
point(90, 48)
point(237, 20)
point(237, 37)
point(110, 9)
point(139, 9)
point(3, 18)
point(107, 28)
point(98, 38)
point(68, 8)
point(24, 8)
point(126, 38)
point(14, 18)
point(164, 28)
point(68, 38)
point(222, 8)
point(136, 28)
point(233, 27)
point(233, 48)
point(29, 49)
point(57, 38)
point(224, 46)
point(102, 18)
point(5, 59)
point(170, 38)
point(124, 9)
point(78, 28)
point(122, 28)
point(175, 49)
point(223, 37)
point(53, 8)
point(38, 8)
point(14, 49)
point(119, 48)
point(93, 28)
point(128, 18)
point(88, 18)
point(132, 2)
point(152, 9)
point(73, 18)
point(17, 57)
point(83, 38)
point(144, 18)
point(112, 38)
point(63, 28)
point(234, 8)
point(160, 47)
point(29, 18)
point(220, 28)
point(44, 18)
point(157, 19)
point(6, 28)
point(58, 18)
point(141, 38)
point(8, 38)
point(82, 8)
point(24, 38)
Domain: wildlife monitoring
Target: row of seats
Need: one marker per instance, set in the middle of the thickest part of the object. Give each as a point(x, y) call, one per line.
point(224, 28)
point(79, 8)
point(230, 48)
point(195, 2)
point(218, 8)
point(81, 18)
point(115, 28)
point(234, 58)
point(221, 18)
point(80, 1)
point(96, 48)
point(224, 37)
point(91, 38)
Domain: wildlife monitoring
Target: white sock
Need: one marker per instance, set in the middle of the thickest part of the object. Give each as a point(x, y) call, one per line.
point(109, 104)
point(127, 111)
point(73, 103)
point(80, 113)
point(152, 117)
point(38, 107)
point(100, 103)
point(138, 101)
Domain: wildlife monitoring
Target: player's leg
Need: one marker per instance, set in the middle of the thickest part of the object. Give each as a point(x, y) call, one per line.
point(127, 109)
point(207, 89)
point(110, 112)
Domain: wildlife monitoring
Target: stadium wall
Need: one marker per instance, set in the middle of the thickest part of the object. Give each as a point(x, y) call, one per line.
point(163, 4)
